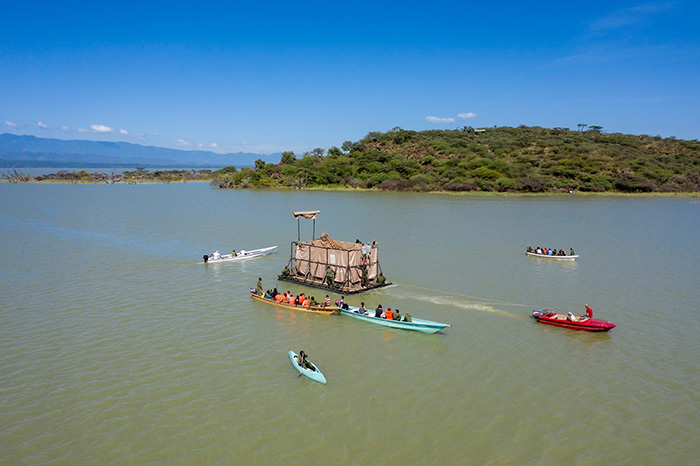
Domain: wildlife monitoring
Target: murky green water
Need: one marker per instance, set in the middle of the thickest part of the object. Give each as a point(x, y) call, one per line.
point(117, 346)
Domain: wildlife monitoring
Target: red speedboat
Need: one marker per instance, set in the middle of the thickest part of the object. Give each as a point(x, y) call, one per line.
point(547, 316)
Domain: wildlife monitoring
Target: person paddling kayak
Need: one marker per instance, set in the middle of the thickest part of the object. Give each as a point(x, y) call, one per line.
point(303, 361)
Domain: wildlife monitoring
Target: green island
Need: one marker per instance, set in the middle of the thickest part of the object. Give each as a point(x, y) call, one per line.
point(499, 159)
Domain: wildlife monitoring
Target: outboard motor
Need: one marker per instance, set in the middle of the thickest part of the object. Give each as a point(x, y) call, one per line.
point(206, 258)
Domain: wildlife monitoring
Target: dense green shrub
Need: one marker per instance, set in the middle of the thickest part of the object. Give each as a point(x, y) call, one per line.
point(522, 159)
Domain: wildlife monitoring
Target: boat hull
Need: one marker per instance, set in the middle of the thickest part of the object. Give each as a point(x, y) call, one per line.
point(417, 325)
point(242, 256)
point(560, 320)
point(295, 307)
point(313, 375)
point(555, 258)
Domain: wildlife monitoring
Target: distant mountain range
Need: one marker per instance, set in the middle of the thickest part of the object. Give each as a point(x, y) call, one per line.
point(30, 151)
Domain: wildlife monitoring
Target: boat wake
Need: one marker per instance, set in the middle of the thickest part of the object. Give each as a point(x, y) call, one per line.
point(456, 302)
point(470, 303)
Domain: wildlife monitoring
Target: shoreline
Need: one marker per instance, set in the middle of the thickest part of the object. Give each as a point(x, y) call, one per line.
point(689, 195)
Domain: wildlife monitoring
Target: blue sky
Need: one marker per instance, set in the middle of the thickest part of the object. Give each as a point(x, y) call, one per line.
point(274, 76)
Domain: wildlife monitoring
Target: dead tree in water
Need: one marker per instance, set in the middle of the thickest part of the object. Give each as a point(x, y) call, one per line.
point(16, 177)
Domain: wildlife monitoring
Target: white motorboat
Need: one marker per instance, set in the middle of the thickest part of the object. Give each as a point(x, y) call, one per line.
point(240, 255)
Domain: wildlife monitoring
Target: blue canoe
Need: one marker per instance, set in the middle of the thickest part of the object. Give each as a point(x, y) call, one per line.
point(417, 325)
point(313, 375)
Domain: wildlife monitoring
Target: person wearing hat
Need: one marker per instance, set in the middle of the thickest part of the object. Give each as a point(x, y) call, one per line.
point(589, 312)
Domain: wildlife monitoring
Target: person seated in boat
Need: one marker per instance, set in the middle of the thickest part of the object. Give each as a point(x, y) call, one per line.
point(327, 301)
point(388, 315)
point(571, 317)
point(529, 249)
point(306, 302)
point(233, 254)
point(341, 302)
point(571, 252)
point(215, 255)
point(589, 311)
point(268, 294)
point(549, 252)
point(303, 361)
point(539, 250)
point(290, 299)
point(379, 311)
point(279, 297)
point(259, 288)
point(312, 301)
point(361, 309)
point(407, 317)
point(397, 315)
point(381, 279)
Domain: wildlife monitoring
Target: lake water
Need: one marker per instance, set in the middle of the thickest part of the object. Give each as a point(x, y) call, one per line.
point(118, 346)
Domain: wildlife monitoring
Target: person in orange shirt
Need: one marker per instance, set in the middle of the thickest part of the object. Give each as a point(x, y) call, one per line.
point(389, 314)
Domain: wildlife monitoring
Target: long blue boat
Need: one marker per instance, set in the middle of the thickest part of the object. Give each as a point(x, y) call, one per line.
point(417, 325)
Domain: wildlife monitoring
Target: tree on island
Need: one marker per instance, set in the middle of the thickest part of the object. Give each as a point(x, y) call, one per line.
point(288, 158)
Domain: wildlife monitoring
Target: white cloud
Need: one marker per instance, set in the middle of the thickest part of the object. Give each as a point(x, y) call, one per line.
point(65, 128)
point(467, 115)
point(11, 124)
point(101, 129)
point(629, 16)
point(41, 125)
point(434, 119)
point(82, 130)
point(206, 145)
point(123, 132)
point(181, 142)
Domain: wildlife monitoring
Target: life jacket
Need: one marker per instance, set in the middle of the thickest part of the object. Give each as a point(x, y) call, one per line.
point(388, 313)
point(306, 302)
point(278, 298)
point(290, 300)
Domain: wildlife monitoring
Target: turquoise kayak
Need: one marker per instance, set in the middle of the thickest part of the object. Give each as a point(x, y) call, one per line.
point(312, 374)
